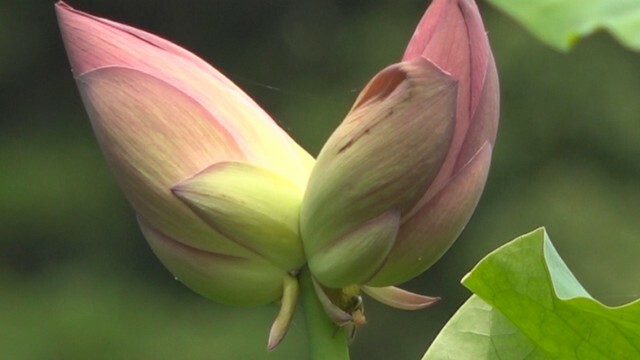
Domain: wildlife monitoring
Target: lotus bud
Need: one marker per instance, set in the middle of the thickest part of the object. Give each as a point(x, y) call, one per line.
point(215, 183)
point(398, 180)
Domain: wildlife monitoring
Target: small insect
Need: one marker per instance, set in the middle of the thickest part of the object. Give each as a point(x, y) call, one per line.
point(355, 307)
point(351, 302)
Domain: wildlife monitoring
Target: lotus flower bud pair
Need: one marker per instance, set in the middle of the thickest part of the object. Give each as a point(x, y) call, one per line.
point(234, 208)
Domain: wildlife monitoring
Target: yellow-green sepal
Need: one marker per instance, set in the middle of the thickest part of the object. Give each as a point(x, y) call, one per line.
point(279, 328)
point(355, 257)
point(253, 206)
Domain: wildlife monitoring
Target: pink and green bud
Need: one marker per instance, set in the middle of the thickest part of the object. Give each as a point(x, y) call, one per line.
point(398, 180)
point(215, 183)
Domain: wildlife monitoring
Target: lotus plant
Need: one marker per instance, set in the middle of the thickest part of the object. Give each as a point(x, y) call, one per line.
point(239, 212)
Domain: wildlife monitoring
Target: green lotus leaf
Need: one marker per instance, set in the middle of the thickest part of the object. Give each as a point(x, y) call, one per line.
point(561, 23)
point(528, 305)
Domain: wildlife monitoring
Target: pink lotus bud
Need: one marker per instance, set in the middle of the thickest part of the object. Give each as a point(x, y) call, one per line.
point(398, 180)
point(216, 184)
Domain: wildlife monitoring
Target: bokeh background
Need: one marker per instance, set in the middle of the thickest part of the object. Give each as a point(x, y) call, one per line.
point(77, 280)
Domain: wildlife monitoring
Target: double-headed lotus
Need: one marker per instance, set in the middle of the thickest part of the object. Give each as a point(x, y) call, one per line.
point(234, 207)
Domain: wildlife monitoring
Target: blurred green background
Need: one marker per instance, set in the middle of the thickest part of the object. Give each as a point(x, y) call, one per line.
point(77, 280)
